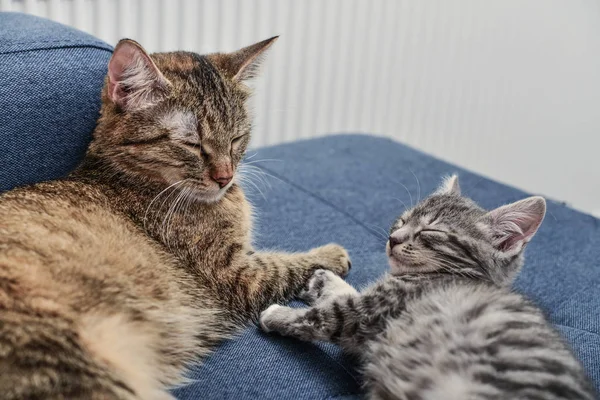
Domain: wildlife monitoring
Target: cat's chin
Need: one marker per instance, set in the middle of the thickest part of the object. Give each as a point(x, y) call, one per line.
point(210, 196)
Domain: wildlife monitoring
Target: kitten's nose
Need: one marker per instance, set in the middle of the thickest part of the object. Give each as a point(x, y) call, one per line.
point(394, 241)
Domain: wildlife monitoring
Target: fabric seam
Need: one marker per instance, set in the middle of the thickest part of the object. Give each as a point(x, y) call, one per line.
point(97, 42)
point(577, 329)
point(66, 46)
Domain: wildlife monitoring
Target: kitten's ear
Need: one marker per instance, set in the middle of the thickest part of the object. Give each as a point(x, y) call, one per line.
point(514, 225)
point(134, 81)
point(244, 63)
point(449, 186)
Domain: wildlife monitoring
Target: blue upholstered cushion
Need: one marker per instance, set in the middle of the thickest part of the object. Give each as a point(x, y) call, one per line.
point(349, 189)
point(49, 96)
point(346, 189)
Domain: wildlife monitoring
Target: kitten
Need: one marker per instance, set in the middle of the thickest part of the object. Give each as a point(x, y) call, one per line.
point(445, 324)
point(114, 279)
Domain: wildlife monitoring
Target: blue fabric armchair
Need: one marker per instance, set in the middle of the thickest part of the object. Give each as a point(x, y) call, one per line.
point(49, 101)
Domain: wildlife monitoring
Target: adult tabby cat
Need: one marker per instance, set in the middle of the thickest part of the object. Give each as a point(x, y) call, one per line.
point(113, 279)
point(445, 324)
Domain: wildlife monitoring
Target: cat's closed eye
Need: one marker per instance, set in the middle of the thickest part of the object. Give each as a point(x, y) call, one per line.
point(195, 147)
point(237, 139)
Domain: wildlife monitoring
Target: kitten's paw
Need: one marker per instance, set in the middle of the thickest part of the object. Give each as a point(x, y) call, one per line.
point(317, 285)
point(268, 318)
point(333, 257)
point(324, 285)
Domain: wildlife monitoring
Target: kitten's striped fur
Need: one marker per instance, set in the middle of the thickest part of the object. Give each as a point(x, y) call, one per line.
point(445, 324)
point(115, 278)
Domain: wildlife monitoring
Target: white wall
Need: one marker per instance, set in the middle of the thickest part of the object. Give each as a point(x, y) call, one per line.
point(508, 88)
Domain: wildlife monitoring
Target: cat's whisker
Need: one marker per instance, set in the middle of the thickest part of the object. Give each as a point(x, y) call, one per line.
point(165, 201)
point(177, 210)
point(257, 173)
point(262, 172)
point(250, 167)
point(156, 197)
point(187, 203)
point(263, 160)
point(244, 178)
point(169, 216)
point(162, 229)
point(175, 213)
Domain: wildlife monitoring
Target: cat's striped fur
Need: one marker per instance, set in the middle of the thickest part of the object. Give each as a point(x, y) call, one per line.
point(116, 277)
point(445, 324)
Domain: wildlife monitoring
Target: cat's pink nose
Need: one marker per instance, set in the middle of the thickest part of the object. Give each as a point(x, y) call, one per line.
point(222, 180)
point(222, 175)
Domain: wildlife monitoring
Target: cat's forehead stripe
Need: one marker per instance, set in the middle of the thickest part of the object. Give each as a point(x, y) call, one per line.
point(179, 122)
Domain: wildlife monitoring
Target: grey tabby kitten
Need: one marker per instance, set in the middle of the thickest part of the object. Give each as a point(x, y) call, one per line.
point(445, 323)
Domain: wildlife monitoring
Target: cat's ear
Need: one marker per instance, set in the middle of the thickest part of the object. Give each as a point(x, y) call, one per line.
point(244, 63)
point(449, 186)
point(513, 225)
point(134, 81)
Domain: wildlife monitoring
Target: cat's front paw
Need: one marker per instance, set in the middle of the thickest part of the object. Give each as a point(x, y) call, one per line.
point(333, 257)
point(317, 285)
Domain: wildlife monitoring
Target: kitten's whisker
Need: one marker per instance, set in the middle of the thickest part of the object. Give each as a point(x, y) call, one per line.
point(473, 186)
point(403, 203)
point(377, 234)
point(418, 186)
point(407, 191)
point(378, 230)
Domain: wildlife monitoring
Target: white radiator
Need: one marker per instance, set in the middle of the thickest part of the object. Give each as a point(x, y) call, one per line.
point(509, 88)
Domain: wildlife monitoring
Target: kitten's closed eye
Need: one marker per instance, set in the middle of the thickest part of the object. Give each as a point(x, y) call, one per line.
point(432, 230)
